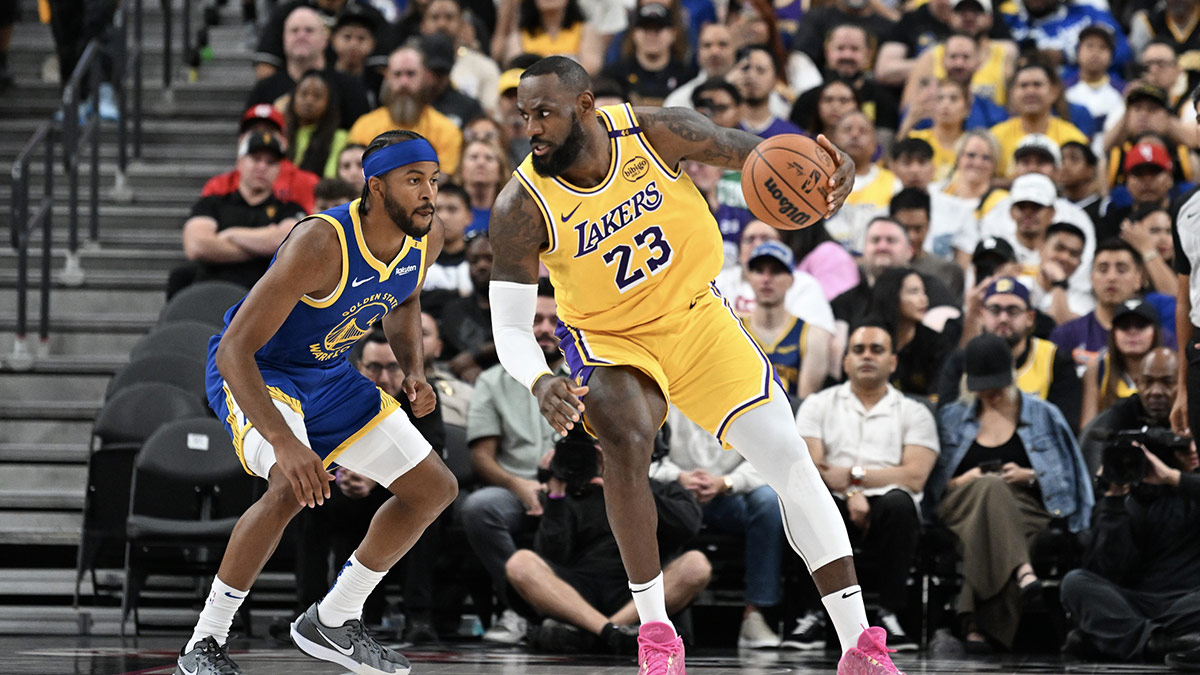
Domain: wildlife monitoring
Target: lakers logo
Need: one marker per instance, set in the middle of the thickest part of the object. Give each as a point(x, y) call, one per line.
point(350, 330)
point(635, 168)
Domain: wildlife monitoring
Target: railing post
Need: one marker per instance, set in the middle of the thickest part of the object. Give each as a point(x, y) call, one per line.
point(94, 131)
point(21, 359)
point(120, 191)
point(47, 215)
point(168, 44)
point(139, 45)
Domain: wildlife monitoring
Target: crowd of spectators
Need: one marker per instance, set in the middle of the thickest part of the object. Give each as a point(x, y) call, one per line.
point(999, 285)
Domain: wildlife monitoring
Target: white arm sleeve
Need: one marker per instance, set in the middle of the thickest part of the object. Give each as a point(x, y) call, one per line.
point(513, 309)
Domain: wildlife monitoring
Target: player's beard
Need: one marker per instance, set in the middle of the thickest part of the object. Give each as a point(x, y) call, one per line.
point(402, 219)
point(564, 154)
point(405, 108)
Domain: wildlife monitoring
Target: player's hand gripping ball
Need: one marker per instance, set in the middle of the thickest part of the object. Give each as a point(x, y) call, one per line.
point(786, 181)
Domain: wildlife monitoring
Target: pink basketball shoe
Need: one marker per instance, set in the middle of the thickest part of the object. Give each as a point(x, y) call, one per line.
point(660, 650)
point(870, 657)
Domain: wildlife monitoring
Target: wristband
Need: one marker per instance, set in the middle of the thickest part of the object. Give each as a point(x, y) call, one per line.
point(1064, 284)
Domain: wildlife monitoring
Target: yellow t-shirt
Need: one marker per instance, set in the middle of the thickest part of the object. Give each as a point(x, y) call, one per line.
point(441, 133)
point(989, 79)
point(1010, 132)
point(566, 42)
point(878, 192)
point(943, 156)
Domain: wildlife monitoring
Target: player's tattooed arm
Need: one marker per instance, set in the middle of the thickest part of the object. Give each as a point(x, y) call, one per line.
point(680, 133)
point(518, 234)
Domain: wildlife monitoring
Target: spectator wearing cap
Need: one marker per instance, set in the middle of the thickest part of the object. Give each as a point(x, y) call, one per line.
point(803, 298)
point(993, 257)
point(1118, 274)
point(1092, 86)
point(1033, 197)
point(1079, 176)
point(1035, 88)
point(1052, 27)
point(293, 184)
point(653, 62)
point(1148, 181)
point(874, 448)
point(232, 237)
point(848, 51)
point(1135, 332)
point(798, 351)
point(974, 59)
point(1042, 369)
point(911, 208)
point(1147, 111)
point(270, 54)
point(474, 74)
point(438, 52)
point(1009, 464)
point(756, 76)
point(406, 100)
point(305, 39)
point(1051, 289)
point(560, 28)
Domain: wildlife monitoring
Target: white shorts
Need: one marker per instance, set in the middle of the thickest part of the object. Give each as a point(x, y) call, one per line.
point(389, 450)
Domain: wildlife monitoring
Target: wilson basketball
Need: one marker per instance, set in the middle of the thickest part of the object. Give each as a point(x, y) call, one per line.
point(786, 181)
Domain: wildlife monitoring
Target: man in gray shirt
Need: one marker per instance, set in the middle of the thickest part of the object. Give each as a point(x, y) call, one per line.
point(508, 438)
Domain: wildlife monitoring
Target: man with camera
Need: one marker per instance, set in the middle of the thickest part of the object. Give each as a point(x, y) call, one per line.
point(574, 575)
point(1150, 407)
point(1136, 595)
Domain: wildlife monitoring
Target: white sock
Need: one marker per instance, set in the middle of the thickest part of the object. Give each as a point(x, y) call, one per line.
point(345, 600)
point(216, 617)
point(651, 601)
point(848, 614)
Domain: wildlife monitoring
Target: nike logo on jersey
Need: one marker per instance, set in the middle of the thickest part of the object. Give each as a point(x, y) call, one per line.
point(568, 216)
point(359, 282)
point(348, 651)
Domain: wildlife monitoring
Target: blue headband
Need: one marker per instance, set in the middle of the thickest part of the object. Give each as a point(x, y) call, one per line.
point(397, 155)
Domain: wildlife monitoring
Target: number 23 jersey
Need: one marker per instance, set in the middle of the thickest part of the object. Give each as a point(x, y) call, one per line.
point(633, 249)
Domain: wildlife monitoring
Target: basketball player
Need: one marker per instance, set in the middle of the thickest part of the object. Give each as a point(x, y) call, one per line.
point(632, 250)
point(279, 379)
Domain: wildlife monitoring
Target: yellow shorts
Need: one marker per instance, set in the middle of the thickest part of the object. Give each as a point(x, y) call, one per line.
point(701, 357)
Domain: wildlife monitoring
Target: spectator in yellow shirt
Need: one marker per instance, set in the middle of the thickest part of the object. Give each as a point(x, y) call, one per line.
point(1035, 88)
point(406, 105)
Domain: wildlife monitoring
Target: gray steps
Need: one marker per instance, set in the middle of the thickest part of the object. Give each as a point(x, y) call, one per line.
point(138, 324)
point(59, 386)
point(107, 258)
point(43, 486)
point(40, 527)
point(50, 411)
point(65, 453)
point(110, 280)
point(91, 301)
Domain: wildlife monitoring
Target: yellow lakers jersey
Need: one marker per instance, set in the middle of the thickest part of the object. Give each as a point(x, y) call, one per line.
point(632, 249)
point(1037, 373)
point(990, 79)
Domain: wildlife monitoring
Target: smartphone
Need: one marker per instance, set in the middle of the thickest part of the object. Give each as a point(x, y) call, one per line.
point(990, 466)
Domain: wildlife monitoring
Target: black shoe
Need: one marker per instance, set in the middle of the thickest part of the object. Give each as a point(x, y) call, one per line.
point(809, 633)
point(1161, 644)
point(897, 639)
point(1188, 660)
point(620, 640)
point(1078, 645)
point(982, 647)
point(420, 631)
point(556, 637)
point(1033, 597)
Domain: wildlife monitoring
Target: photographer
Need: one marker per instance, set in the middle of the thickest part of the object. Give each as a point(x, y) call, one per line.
point(574, 575)
point(1137, 594)
point(1149, 407)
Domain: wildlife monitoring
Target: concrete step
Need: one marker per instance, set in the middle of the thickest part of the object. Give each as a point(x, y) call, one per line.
point(109, 280)
point(43, 486)
point(78, 344)
point(166, 237)
point(138, 324)
point(49, 410)
point(177, 131)
point(85, 301)
point(152, 155)
point(66, 387)
point(40, 527)
point(41, 432)
point(159, 175)
point(106, 258)
point(62, 453)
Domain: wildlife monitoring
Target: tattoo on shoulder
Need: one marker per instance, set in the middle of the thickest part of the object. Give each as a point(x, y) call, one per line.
point(695, 137)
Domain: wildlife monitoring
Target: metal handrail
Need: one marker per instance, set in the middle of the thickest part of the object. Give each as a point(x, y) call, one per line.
point(75, 141)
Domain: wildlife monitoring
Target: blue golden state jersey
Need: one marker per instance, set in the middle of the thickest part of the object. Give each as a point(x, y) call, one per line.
point(632, 249)
point(785, 354)
point(319, 331)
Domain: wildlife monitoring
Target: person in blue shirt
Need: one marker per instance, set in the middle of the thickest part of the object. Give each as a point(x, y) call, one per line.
point(1052, 28)
point(279, 379)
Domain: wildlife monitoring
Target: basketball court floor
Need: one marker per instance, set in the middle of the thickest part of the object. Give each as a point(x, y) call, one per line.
point(156, 656)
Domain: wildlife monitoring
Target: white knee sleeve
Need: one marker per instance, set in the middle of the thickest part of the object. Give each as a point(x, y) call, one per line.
point(767, 437)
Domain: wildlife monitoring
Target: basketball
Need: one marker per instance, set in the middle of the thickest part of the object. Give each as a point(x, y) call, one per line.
point(786, 181)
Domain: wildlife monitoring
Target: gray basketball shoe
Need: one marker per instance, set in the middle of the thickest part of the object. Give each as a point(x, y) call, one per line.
point(207, 658)
point(348, 645)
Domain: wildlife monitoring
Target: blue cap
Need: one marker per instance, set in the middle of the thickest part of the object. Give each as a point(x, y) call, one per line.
point(775, 251)
point(1008, 286)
